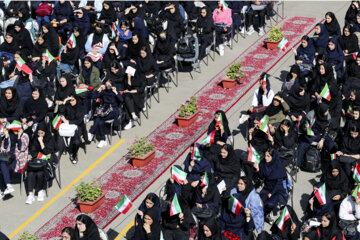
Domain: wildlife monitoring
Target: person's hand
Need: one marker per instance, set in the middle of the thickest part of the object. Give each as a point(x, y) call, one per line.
point(293, 118)
point(114, 90)
point(186, 182)
point(140, 213)
point(356, 4)
point(251, 130)
point(133, 61)
point(125, 45)
point(271, 139)
point(339, 153)
point(20, 132)
point(320, 144)
point(64, 119)
point(181, 216)
point(299, 62)
point(147, 228)
point(101, 88)
point(300, 118)
point(23, 120)
point(30, 123)
point(265, 90)
point(311, 201)
point(251, 109)
point(224, 189)
point(171, 180)
point(269, 195)
point(192, 163)
point(31, 77)
point(256, 165)
point(294, 51)
point(247, 212)
point(293, 227)
point(82, 85)
point(199, 205)
point(336, 197)
point(41, 138)
point(357, 200)
point(194, 183)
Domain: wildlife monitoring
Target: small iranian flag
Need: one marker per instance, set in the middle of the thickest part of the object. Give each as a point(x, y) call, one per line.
point(234, 205)
point(113, 31)
point(350, 111)
point(314, 37)
point(42, 156)
point(178, 175)
point(332, 156)
point(264, 124)
point(253, 156)
point(175, 206)
point(24, 126)
point(354, 55)
point(205, 181)
point(356, 174)
point(81, 90)
point(124, 205)
point(49, 57)
point(284, 216)
point(283, 44)
point(298, 124)
point(15, 125)
point(356, 192)
point(223, 4)
point(325, 93)
point(320, 194)
point(309, 131)
point(56, 122)
point(56, 108)
point(219, 120)
point(195, 154)
point(210, 138)
point(72, 41)
point(21, 66)
point(263, 82)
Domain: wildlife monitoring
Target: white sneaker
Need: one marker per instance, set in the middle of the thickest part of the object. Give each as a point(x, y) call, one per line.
point(87, 117)
point(242, 30)
point(9, 190)
point(250, 31)
point(101, 144)
point(134, 117)
point(129, 125)
point(144, 108)
point(30, 199)
point(243, 118)
point(41, 196)
point(261, 32)
point(2, 195)
point(90, 137)
point(221, 50)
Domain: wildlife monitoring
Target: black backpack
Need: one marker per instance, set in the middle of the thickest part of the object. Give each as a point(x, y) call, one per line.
point(186, 47)
point(312, 160)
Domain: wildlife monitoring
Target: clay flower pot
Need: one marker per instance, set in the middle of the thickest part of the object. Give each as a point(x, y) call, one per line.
point(272, 44)
point(187, 121)
point(228, 83)
point(142, 161)
point(89, 207)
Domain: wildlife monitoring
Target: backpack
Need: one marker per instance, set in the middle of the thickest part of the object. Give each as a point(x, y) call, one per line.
point(186, 47)
point(312, 160)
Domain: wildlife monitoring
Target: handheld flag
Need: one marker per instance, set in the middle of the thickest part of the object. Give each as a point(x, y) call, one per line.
point(24, 126)
point(56, 122)
point(49, 57)
point(223, 4)
point(283, 44)
point(253, 156)
point(320, 194)
point(219, 120)
point(309, 131)
point(21, 66)
point(325, 93)
point(350, 112)
point(264, 124)
point(195, 154)
point(354, 55)
point(42, 156)
point(15, 125)
point(263, 81)
point(81, 90)
point(175, 206)
point(314, 37)
point(284, 216)
point(210, 138)
point(178, 175)
point(356, 192)
point(113, 31)
point(205, 181)
point(124, 205)
point(298, 124)
point(56, 108)
point(72, 41)
point(356, 174)
point(332, 156)
point(234, 205)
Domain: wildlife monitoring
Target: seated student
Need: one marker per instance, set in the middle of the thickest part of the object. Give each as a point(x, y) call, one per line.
point(147, 66)
point(253, 202)
point(85, 229)
point(350, 17)
point(133, 48)
point(332, 25)
point(206, 197)
point(196, 163)
point(314, 209)
point(210, 230)
point(39, 47)
point(35, 110)
point(291, 228)
point(42, 143)
point(319, 122)
point(9, 46)
point(51, 38)
point(125, 33)
point(239, 225)
point(10, 106)
point(305, 54)
point(327, 230)
point(348, 43)
point(138, 26)
point(352, 102)
point(110, 98)
point(274, 175)
point(177, 226)
point(117, 75)
point(149, 228)
point(321, 38)
point(262, 98)
point(111, 55)
point(336, 56)
point(222, 18)
point(164, 51)
point(61, 16)
point(24, 86)
point(23, 38)
point(97, 42)
point(259, 139)
point(293, 78)
point(81, 21)
point(72, 112)
point(151, 201)
point(69, 58)
point(354, 120)
point(258, 8)
point(108, 14)
point(16, 143)
point(134, 97)
point(276, 111)
point(350, 212)
point(204, 31)
point(299, 103)
point(172, 186)
point(67, 232)
point(63, 90)
point(285, 142)
point(349, 148)
point(175, 22)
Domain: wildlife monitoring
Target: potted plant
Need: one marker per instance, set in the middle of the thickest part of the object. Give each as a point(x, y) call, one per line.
point(89, 196)
point(28, 236)
point(233, 75)
point(274, 37)
point(142, 151)
point(188, 113)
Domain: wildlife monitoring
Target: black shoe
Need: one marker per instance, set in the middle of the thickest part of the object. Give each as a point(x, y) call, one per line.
point(73, 159)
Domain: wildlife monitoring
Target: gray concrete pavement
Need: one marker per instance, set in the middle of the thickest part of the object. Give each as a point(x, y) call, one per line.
point(14, 212)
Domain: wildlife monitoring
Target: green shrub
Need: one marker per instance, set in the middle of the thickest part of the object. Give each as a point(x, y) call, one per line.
point(275, 33)
point(141, 147)
point(188, 108)
point(234, 71)
point(88, 191)
point(28, 236)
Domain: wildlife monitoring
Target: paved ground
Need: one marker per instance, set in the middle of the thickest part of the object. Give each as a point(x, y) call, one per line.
point(16, 212)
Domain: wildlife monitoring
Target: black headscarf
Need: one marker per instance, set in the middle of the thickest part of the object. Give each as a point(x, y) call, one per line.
point(229, 165)
point(321, 121)
point(272, 110)
point(333, 27)
point(350, 145)
point(212, 224)
point(140, 233)
point(91, 232)
point(109, 15)
point(133, 50)
point(298, 103)
point(261, 91)
point(204, 25)
point(98, 36)
point(11, 107)
point(86, 72)
point(350, 42)
point(36, 108)
point(23, 37)
point(273, 170)
point(248, 188)
point(337, 182)
point(147, 64)
point(64, 92)
point(330, 231)
point(212, 125)
point(52, 39)
point(9, 47)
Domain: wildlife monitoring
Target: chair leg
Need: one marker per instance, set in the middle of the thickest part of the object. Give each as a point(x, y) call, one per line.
point(21, 183)
point(59, 173)
point(158, 93)
point(111, 132)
